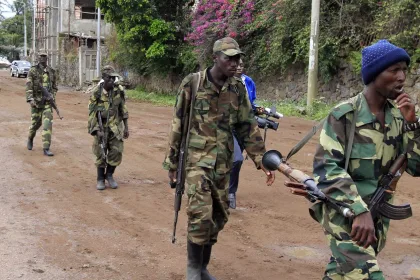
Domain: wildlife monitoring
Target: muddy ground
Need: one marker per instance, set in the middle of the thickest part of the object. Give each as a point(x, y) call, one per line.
point(54, 224)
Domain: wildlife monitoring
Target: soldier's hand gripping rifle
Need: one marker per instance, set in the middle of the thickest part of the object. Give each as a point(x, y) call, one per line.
point(47, 97)
point(305, 186)
point(102, 137)
point(179, 185)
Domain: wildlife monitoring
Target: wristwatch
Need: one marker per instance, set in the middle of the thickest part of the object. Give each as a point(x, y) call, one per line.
point(412, 126)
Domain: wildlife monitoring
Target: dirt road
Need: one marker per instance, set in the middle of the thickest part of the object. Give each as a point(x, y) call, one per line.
point(54, 224)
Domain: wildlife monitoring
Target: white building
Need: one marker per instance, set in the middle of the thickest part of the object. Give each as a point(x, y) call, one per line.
point(77, 20)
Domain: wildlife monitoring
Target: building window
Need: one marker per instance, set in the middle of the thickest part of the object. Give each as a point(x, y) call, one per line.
point(85, 9)
point(90, 61)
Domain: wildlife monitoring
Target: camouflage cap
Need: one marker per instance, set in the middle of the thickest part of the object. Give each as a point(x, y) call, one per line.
point(228, 46)
point(42, 52)
point(108, 69)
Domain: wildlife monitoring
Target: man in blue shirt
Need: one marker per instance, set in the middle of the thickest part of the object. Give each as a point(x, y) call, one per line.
point(238, 157)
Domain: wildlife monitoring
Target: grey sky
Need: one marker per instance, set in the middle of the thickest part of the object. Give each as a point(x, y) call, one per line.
point(6, 10)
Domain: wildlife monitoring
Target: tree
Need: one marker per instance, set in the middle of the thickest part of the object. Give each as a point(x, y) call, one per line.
point(150, 32)
point(214, 19)
point(12, 29)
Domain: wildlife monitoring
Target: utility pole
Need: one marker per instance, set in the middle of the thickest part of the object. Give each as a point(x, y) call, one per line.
point(313, 54)
point(34, 32)
point(24, 30)
point(98, 45)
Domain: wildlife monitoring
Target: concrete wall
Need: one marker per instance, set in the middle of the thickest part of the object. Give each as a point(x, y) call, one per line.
point(87, 26)
point(345, 84)
point(291, 85)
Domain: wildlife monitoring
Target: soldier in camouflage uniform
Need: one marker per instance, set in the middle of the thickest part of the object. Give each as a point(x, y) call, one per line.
point(386, 126)
point(221, 104)
point(41, 110)
point(108, 98)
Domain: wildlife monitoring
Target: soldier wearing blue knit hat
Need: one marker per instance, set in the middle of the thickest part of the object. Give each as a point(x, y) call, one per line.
point(384, 125)
point(380, 56)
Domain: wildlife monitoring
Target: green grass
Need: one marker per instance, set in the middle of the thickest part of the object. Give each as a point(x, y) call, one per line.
point(288, 108)
point(160, 99)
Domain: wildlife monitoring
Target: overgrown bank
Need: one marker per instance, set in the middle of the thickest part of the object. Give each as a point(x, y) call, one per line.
point(287, 107)
point(159, 42)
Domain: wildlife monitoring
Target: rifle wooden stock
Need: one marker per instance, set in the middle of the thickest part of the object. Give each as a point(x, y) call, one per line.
point(298, 192)
point(293, 174)
point(294, 185)
point(310, 190)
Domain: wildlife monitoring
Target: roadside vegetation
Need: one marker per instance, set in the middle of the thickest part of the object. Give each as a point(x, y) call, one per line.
point(288, 108)
point(176, 36)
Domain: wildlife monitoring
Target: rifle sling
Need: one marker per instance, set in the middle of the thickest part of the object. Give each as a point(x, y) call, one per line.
point(305, 139)
point(194, 88)
point(315, 129)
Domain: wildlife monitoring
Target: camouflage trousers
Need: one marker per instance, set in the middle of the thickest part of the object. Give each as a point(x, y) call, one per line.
point(115, 148)
point(350, 261)
point(42, 116)
point(208, 204)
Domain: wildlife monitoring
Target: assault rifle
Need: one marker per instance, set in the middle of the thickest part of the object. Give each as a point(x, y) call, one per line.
point(305, 186)
point(102, 139)
point(179, 185)
point(378, 204)
point(47, 97)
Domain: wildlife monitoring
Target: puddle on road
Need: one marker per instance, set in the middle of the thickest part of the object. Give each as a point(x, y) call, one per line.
point(300, 252)
point(415, 273)
point(410, 241)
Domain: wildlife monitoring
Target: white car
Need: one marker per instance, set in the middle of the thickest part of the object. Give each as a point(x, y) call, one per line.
point(20, 68)
point(4, 63)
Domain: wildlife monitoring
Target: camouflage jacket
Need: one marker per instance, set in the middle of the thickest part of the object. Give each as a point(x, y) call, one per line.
point(215, 114)
point(373, 151)
point(37, 77)
point(112, 102)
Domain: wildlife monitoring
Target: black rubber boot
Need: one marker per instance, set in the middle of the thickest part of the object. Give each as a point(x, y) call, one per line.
point(195, 261)
point(205, 274)
point(47, 152)
point(30, 144)
point(109, 171)
point(101, 179)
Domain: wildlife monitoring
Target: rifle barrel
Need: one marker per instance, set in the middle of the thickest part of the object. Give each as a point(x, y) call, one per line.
point(174, 232)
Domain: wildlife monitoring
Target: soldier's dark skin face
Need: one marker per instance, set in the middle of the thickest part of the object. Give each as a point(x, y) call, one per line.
point(43, 60)
point(108, 82)
point(390, 83)
point(240, 69)
point(224, 67)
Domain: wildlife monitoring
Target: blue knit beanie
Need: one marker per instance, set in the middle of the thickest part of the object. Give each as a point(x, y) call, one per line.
point(380, 56)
